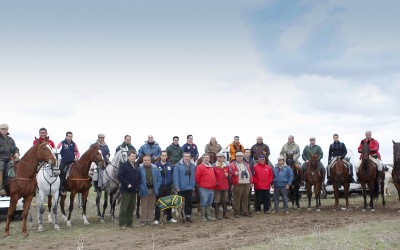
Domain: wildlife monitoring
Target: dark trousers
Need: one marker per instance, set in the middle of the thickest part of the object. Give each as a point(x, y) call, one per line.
point(187, 194)
point(128, 202)
point(262, 196)
point(165, 190)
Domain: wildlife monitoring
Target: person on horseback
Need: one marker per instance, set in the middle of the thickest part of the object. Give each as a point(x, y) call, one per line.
point(309, 150)
point(190, 147)
point(213, 146)
point(337, 150)
point(174, 151)
point(374, 152)
point(150, 147)
point(257, 149)
point(105, 151)
point(291, 148)
point(127, 144)
point(8, 154)
point(69, 154)
point(235, 147)
point(43, 136)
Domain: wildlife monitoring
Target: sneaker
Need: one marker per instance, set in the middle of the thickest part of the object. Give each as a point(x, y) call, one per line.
point(173, 220)
point(156, 222)
point(267, 212)
point(257, 212)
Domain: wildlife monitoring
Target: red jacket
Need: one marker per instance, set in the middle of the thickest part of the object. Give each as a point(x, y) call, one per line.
point(263, 177)
point(235, 178)
point(205, 176)
point(373, 147)
point(222, 179)
point(50, 142)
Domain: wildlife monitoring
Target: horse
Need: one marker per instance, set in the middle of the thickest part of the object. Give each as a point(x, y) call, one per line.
point(78, 181)
point(340, 176)
point(48, 181)
point(367, 175)
point(297, 177)
point(313, 178)
point(110, 184)
point(396, 168)
point(24, 183)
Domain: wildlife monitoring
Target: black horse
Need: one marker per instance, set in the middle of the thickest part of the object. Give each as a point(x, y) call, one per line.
point(294, 193)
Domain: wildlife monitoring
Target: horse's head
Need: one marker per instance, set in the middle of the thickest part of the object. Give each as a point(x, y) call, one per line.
point(213, 157)
point(45, 153)
point(314, 159)
point(95, 154)
point(289, 159)
point(396, 151)
point(365, 150)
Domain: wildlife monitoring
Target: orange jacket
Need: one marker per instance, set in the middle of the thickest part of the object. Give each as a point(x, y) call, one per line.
point(233, 149)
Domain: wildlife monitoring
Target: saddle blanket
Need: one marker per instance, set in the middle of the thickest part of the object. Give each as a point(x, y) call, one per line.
point(169, 202)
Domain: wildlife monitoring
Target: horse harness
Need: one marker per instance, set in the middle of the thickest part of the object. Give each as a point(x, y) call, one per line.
point(44, 168)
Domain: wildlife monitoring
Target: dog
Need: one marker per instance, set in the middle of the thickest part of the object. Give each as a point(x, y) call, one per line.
point(172, 201)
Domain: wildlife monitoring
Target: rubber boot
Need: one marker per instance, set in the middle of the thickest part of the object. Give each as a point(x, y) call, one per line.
point(217, 216)
point(2, 191)
point(208, 214)
point(203, 214)
point(225, 210)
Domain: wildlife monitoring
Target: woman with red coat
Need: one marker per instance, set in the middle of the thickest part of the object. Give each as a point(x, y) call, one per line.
point(263, 177)
point(221, 171)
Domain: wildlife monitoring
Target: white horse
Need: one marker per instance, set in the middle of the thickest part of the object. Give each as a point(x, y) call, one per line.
point(110, 184)
point(48, 182)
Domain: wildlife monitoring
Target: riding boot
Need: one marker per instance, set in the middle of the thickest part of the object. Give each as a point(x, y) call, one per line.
point(217, 216)
point(2, 191)
point(328, 182)
point(203, 214)
point(208, 214)
point(225, 210)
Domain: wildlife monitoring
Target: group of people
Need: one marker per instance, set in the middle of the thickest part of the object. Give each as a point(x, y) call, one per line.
point(163, 172)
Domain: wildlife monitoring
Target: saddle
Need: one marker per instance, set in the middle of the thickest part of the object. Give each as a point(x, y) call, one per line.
point(169, 202)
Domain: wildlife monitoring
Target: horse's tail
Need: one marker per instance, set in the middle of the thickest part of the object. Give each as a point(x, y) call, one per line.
point(376, 188)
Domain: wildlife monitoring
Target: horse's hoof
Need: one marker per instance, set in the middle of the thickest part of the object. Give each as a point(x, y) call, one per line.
point(309, 209)
point(86, 222)
point(318, 210)
point(7, 236)
point(373, 210)
point(64, 218)
point(69, 223)
point(102, 221)
point(25, 235)
point(364, 210)
point(40, 229)
point(30, 225)
point(57, 227)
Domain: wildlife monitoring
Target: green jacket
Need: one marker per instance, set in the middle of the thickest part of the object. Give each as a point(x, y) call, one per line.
point(129, 146)
point(174, 153)
point(309, 150)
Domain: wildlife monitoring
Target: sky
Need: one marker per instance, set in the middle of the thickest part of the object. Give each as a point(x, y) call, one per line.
point(207, 68)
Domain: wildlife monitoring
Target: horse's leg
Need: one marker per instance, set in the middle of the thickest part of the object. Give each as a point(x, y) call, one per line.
point(364, 191)
point(55, 208)
point(104, 206)
point(84, 203)
point(317, 195)
point(309, 195)
point(30, 219)
point(40, 208)
point(346, 191)
point(10, 213)
point(112, 205)
point(49, 201)
point(71, 206)
point(336, 193)
point(62, 205)
point(27, 204)
point(98, 197)
point(371, 186)
point(297, 195)
point(383, 188)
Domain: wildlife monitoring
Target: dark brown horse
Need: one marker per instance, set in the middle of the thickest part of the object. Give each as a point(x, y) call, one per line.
point(396, 168)
point(340, 177)
point(297, 177)
point(24, 183)
point(313, 178)
point(79, 181)
point(367, 175)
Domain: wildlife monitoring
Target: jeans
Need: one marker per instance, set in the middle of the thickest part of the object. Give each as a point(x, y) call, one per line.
point(277, 193)
point(206, 196)
point(187, 194)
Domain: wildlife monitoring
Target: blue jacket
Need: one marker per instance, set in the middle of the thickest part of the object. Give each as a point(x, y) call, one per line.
point(153, 150)
point(192, 149)
point(182, 180)
point(129, 175)
point(283, 177)
point(67, 151)
point(143, 191)
point(167, 172)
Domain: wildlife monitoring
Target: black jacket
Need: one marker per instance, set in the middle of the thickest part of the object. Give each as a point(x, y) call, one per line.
point(129, 175)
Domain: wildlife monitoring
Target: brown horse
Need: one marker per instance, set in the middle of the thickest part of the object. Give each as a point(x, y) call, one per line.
point(396, 168)
point(340, 176)
point(313, 178)
point(24, 183)
point(79, 181)
point(297, 177)
point(367, 175)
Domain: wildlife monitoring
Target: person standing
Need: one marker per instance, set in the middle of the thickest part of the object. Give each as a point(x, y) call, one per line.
point(283, 178)
point(205, 178)
point(69, 153)
point(129, 176)
point(166, 170)
point(263, 177)
point(191, 148)
point(235, 147)
point(8, 153)
point(184, 182)
point(222, 175)
point(241, 180)
point(150, 182)
point(213, 146)
point(174, 151)
point(127, 145)
point(151, 148)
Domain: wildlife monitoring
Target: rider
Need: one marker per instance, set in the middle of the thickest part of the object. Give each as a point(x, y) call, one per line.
point(69, 153)
point(150, 147)
point(8, 153)
point(174, 151)
point(190, 147)
point(309, 150)
point(234, 148)
point(105, 151)
point(43, 136)
point(291, 148)
point(374, 154)
point(127, 143)
point(337, 150)
point(213, 146)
